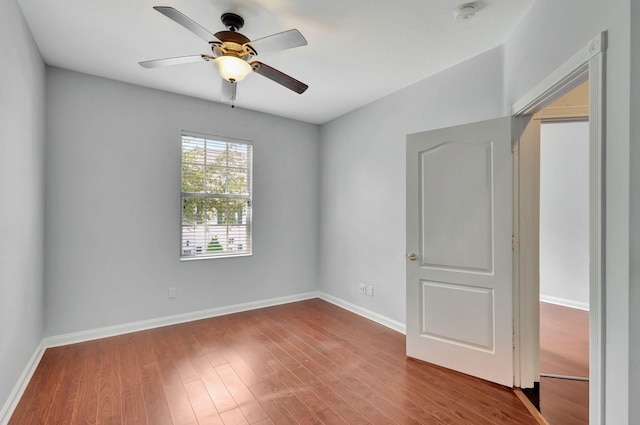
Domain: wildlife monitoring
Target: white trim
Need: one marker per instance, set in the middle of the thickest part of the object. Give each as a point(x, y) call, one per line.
point(589, 64)
point(18, 390)
point(596, 240)
point(562, 114)
point(76, 337)
point(564, 302)
point(367, 314)
point(209, 136)
point(515, 245)
point(526, 252)
point(566, 77)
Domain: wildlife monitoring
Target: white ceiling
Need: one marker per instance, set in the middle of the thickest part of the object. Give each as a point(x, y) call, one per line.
point(358, 51)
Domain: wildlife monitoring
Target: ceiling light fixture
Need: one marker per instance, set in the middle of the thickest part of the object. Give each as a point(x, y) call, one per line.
point(232, 68)
point(465, 12)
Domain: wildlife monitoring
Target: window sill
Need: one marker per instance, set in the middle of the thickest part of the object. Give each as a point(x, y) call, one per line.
point(213, 257)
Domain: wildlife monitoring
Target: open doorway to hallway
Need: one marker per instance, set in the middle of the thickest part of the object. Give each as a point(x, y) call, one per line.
point(564, 259)
point(587, 64)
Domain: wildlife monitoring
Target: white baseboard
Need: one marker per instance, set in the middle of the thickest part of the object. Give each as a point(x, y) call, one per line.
point(564, 302)
point(21, 385)
point(360, 311)
point(76, 337)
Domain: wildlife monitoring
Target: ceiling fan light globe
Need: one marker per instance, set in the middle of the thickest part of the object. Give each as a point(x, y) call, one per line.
point(232, 68)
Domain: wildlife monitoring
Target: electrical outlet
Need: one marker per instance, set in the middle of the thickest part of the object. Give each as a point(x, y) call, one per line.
point(363, 289)
point(172, 292)
point(370, 290)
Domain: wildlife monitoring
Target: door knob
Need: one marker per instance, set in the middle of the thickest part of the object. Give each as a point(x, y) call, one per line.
point(412, 256)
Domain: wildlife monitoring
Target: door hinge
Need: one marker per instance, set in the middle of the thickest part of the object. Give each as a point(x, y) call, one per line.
point(514, 145)
point(514, 242)
point(513, 340)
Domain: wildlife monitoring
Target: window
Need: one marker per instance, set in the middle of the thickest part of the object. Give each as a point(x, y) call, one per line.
point(216, 197)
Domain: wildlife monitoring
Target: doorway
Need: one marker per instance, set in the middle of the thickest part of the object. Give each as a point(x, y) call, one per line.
point(588, 64)
point(564, 259)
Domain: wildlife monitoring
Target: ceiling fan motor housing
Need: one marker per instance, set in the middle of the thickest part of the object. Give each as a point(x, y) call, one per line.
point(233, 42)
point(231, 48)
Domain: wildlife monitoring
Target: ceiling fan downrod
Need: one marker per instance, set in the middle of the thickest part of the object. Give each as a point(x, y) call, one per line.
point(231, 21)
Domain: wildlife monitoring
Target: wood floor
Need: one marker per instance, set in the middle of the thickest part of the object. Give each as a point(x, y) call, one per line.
point(564, 350)
point(302, 363)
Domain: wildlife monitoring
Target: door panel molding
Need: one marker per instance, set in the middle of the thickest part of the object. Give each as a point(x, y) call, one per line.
point(457, 228)
point(438, 312)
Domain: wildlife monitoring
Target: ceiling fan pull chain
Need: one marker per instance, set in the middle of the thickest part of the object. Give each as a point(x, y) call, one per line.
point(233, 93)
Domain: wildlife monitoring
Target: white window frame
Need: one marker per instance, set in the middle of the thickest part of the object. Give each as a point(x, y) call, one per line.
point(197, 249)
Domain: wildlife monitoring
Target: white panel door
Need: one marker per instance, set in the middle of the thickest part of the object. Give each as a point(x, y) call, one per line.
point(459, 262)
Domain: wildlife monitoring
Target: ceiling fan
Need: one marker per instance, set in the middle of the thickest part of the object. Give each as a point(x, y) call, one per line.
point(232, 52)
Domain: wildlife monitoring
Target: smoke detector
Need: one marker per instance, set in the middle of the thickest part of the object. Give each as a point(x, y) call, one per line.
point(465, 12)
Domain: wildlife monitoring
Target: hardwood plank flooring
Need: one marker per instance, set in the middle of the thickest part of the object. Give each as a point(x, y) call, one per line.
point(301, 363)
point(564, 350)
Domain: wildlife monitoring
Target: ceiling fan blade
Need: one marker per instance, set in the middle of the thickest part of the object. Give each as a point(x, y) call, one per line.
point(279, 41)
point(228, 91)
point(175, 61)
point(279, 77)
point(186, 22)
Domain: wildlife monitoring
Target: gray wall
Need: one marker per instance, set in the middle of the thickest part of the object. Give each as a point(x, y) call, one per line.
point(22, 78)
point(363, 178)
point(564, 213)
point(634, 231)
point(113, 205)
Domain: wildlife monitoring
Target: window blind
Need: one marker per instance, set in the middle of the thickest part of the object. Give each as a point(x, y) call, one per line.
point(216, 197)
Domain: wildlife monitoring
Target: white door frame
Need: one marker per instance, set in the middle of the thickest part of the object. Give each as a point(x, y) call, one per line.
point(588, 63)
